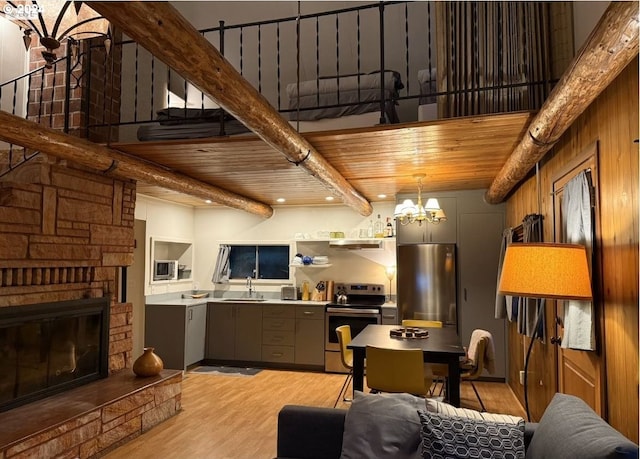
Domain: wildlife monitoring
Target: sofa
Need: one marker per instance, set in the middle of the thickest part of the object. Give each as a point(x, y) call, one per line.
point(401, 426)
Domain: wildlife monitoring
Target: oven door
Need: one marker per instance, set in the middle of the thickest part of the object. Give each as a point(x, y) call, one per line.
point(356, 318)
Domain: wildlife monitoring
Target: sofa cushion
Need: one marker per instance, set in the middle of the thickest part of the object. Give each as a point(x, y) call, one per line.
point(569, 428)
point(382, 426)
point(458, 437)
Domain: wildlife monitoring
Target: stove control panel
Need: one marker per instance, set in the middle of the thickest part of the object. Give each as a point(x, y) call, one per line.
point(360, 289)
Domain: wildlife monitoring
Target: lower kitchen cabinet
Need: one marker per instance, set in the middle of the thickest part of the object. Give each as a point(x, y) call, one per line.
point(278, 328)
point(234, 332)
point(272, 333)
point(309, 335)
point(177, 333)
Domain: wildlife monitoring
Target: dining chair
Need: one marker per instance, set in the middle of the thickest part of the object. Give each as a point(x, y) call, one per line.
point(440, 371)
point(346, 355)
point(480, 356)
point(419, 323)
point(397, 370)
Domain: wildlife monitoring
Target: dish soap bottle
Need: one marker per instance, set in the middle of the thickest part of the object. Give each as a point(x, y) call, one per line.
point(378, 228)
point(305, 291)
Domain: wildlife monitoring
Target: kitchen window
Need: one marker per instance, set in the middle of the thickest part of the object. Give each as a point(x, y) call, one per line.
point(259, 261)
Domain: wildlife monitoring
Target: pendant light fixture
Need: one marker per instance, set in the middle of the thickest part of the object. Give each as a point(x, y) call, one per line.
point(407, 212)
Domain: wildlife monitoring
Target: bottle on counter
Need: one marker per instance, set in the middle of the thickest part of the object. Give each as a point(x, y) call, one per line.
point(378, 228)
point(388, 229)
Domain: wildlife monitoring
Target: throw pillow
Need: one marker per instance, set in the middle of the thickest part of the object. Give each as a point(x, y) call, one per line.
point(382, 426)
point(455, 437)
point(434, 406)
point(570, 429)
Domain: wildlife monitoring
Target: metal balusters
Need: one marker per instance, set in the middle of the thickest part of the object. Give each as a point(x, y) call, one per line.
point(135, 91)
point(221, 44)
point(317, 60)
point(381, 33)
point(278, 62)
point(338, 57)
point(260, 59)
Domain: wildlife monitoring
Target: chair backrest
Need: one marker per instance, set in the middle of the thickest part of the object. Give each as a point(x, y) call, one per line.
point(418, 323)
point(344, 338)
point(396, 370)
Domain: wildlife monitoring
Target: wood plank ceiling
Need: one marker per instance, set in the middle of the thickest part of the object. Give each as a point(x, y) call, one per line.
point(455, 154)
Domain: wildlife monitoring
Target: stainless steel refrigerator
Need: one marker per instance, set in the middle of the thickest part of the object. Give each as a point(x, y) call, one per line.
point(426, 277)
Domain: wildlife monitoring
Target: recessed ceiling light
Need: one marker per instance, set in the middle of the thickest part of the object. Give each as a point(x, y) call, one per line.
point(208, 201)
point(281, 200)
point(382, 196)
point(329, 198)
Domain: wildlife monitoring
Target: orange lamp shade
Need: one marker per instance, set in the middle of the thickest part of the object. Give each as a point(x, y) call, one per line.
point(545, 270)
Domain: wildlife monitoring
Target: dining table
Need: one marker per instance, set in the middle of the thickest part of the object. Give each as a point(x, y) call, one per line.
point(442, 345)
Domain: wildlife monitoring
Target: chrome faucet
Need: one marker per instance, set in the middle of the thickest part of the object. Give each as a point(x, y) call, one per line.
point(249, 286)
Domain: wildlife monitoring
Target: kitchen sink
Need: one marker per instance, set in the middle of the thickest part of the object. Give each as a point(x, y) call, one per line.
point(245, 300)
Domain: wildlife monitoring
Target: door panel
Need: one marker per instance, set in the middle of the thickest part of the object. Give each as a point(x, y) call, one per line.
point(580, 373)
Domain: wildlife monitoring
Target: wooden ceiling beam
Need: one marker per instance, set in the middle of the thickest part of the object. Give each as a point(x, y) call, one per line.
point(163, 31)
point(612, 45)
point(36, 137)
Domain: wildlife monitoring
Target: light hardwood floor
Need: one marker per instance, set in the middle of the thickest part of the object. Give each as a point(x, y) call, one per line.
point(235, 417)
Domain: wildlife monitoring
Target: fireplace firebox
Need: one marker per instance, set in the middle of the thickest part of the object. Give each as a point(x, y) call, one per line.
point(48, 348)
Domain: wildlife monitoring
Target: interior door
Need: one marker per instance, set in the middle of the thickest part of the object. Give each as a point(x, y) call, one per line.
point(580, 373)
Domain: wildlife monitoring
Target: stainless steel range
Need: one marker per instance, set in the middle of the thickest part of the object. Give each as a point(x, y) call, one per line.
point(360, 305)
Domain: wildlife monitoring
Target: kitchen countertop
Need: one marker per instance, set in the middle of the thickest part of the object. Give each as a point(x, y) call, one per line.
point(194, 301)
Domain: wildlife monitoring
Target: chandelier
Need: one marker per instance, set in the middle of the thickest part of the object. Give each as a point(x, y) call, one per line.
point(54, 21)
point(408, 212)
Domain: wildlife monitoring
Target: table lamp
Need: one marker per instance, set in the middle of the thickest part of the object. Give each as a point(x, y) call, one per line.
point(544, 270)
point(390, 271)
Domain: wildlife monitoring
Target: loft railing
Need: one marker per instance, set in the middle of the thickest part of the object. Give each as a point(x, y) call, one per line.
point(503, 72)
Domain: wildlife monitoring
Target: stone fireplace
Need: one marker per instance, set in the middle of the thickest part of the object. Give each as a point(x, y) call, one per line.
point(65, 234)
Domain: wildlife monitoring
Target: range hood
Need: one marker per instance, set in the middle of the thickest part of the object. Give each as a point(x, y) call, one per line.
point(354, 244)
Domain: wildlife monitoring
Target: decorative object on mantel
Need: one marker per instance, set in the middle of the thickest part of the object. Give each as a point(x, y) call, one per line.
point(408, 212)
point(148, 364)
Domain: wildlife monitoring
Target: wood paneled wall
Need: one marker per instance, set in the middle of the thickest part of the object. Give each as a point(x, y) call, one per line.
point(612, 121)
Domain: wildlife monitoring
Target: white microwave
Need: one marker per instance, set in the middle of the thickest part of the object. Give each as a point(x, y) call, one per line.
point(165, 270)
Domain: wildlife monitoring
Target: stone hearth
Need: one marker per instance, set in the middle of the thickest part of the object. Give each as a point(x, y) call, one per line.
point(90, 420)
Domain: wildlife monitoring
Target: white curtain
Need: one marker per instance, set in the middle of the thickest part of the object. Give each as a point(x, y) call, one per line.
point(579, 329)
point(221, 271)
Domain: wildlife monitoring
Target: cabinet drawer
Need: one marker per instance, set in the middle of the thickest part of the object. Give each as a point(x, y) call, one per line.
point(275, 337)
point(272, 323)
point(278, 310)
point(277, 354)
point(310, 312)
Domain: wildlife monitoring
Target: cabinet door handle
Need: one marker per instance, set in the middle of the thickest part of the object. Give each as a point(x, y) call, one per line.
point(465, 294)
point(388, 316)
point(190, 314)
point(308, 313)
point(277, 354)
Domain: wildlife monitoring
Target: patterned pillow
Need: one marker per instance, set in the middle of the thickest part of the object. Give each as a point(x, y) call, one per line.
point(455, 437)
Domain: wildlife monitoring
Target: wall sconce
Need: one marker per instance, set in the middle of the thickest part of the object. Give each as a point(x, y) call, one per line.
point(408, 212)
point(54, 21)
